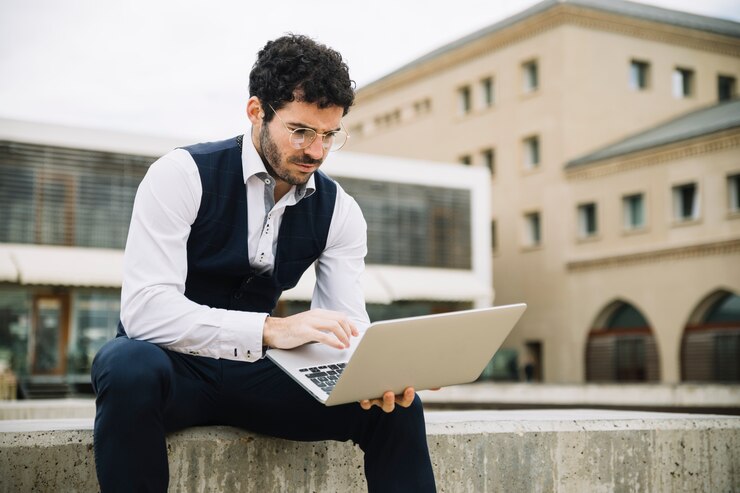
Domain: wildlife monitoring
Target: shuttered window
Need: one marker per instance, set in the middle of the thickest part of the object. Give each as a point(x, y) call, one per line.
point(59, 196)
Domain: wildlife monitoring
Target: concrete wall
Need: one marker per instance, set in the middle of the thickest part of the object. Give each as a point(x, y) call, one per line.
point(515, 451)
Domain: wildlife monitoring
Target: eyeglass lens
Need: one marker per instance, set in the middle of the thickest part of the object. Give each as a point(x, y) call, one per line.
point(301, 138)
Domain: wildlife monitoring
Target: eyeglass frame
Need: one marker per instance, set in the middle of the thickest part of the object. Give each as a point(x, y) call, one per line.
point(316, 134)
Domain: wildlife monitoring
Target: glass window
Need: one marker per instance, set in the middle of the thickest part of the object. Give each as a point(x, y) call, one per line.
point(489, 159)
point(733, 192)
point(533, 233)
point(504, 366)
point(685, 203)
point(17, 203)
point(15, 316)
point(464, 101)
point(639, 75)
point(626, 317)
point(413, 308)
point(486, 86)
point(413, 224)
point(96, 315)
point(634, 211)
point(725, 310)
point(530, 75)
point(531, 152)
point(57, 196)
point(587, 220)
point(725, 87)
point(683, 83)
point(423, 106)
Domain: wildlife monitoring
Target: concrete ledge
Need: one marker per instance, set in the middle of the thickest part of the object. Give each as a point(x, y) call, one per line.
point(714, 398)
point(519, 451)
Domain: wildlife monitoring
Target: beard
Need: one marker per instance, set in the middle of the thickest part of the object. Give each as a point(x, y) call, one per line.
point(277, 163)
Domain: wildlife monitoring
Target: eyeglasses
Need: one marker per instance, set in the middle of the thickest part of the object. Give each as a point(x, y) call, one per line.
point(301, 138)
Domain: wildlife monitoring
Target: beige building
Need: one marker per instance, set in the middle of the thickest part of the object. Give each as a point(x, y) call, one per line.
point(614, 150)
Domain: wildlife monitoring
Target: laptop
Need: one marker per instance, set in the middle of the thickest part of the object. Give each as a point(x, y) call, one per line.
point(420, 352)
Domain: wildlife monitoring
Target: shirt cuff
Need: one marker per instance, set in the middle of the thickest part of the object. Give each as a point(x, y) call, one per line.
point(241, 335)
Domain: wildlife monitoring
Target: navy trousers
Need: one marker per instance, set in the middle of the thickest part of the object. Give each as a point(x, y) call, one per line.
point(144, 392)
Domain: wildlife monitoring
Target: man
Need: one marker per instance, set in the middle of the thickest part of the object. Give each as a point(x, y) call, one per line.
point(218, 231)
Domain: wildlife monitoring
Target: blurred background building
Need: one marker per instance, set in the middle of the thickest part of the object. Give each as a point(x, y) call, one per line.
point(66, 196)
point(598, 167)
point(612, 135)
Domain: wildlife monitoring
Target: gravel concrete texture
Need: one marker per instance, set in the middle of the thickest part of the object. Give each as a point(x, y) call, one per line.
point(510, 451)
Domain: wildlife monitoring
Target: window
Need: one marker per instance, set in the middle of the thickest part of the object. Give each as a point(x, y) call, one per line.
point(467, 160)
point(733, 192)
point(685, 203)
point(463, 96)
point(530, 76)
point(494, 239)
point(388, 119)
point(356, 130)
point(725, 87)
point(532, 232)
point(683, 83)
point(97, 314)
point(587, 220)
point(489, 159)
point(486, 86)
point(407, 224)
point(634, 211)
point(531, 152)
point(639, 75)
point(423, 106)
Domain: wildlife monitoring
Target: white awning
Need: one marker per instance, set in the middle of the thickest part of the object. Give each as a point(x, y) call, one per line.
point(383, 284)
point(374, 290)
point(65, 266)
point(387, 283)
point(8, 272)
point(422, 283)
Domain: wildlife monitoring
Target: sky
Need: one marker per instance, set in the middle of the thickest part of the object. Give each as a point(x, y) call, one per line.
point(180, 68)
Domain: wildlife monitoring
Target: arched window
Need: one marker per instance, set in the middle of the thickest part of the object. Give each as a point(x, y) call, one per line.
point(621, 347)
point(710, 349)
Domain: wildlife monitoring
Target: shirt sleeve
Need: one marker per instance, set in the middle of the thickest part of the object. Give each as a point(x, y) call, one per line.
point(153, 304)
point(340, 267)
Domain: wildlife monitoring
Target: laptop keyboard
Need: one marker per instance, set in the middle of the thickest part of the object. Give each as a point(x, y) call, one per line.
point(325, 376)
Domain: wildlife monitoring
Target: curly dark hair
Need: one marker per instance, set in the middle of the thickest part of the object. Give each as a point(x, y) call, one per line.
point(297, 68)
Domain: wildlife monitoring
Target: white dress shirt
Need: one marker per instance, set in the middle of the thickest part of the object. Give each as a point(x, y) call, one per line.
point(153, 305)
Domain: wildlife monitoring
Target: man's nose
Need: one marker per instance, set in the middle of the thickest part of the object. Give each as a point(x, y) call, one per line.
point(316, 149)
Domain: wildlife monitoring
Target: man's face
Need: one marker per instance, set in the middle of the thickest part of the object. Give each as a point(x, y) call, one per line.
point(283, 161)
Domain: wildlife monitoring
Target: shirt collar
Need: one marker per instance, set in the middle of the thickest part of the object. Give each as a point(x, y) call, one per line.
point(252, 165)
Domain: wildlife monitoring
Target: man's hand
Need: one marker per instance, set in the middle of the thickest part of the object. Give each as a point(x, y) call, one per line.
point(388, 402)
point(325, 326)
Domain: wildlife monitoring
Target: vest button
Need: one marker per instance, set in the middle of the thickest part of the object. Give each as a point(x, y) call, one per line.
point(238, 295)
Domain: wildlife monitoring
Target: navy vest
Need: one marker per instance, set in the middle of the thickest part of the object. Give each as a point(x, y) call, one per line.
point(219, 273)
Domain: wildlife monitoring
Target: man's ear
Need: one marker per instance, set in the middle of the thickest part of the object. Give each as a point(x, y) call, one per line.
point(255, 112)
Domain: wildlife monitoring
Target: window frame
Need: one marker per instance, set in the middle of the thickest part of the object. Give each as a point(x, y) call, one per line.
point(683, 82)
point(532, 229)
point(678, 205)
point(627, 225)
point(532, 152)
point(640, 80)
point(530, 71)
point(582, 230)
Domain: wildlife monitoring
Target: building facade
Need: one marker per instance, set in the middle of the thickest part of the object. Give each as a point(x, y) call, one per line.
point(539, 99)
point(66, 197)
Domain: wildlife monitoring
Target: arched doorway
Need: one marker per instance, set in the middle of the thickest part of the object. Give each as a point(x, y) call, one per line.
point(710, 348)
point(621, 347)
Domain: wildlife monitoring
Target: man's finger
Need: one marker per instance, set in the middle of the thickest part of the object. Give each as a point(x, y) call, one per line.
point(407, 398)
